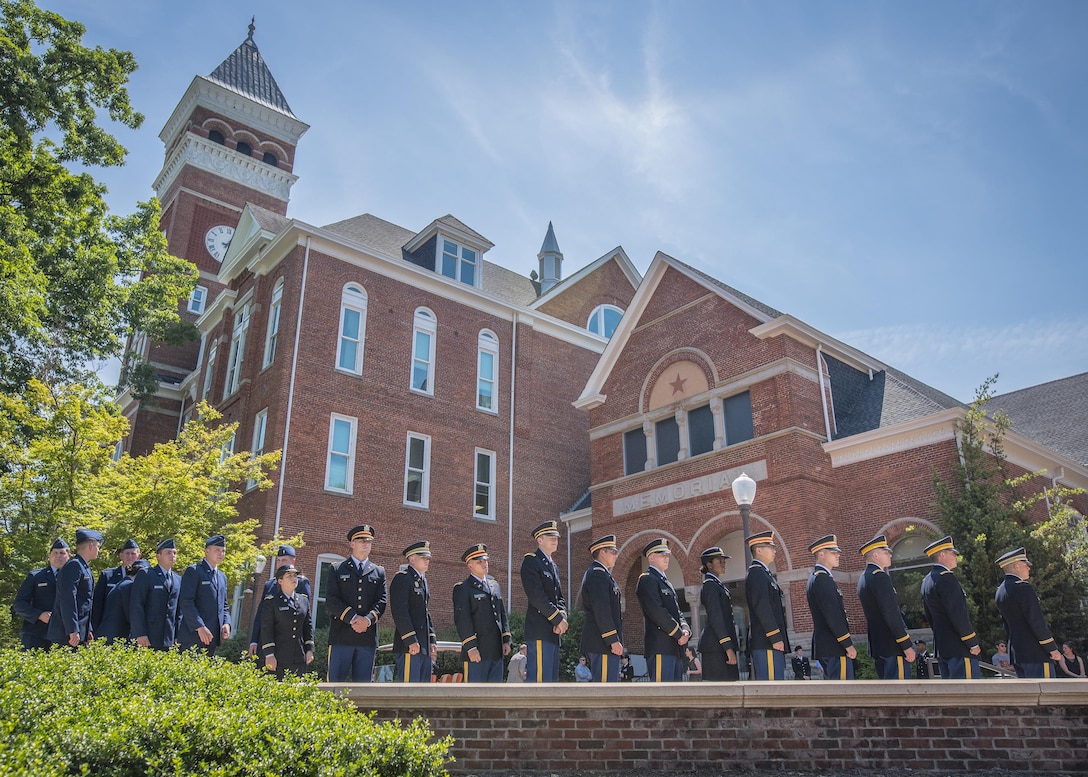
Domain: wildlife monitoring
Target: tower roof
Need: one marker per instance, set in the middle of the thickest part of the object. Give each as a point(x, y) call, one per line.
point(245, 72)
point(551, 245)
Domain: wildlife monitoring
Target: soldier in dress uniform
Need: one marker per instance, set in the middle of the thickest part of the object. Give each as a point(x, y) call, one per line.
point(205, 617)
point(356, 599)
point(36, 596)
point(945, 604)
point(70, 623)
point(832, 644)
point(154, 613)
point(666, 631)
point(285, 622)
point(415, 645)
point(1031, 643)
point(889, 642)
point(128, 554)
point(546, 614)
point(718, 642)
point(285, 554)
point(115, 625)
point(480, 617)
point(602, 630)
point(767, 637)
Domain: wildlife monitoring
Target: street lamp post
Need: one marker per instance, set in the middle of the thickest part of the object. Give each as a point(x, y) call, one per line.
point(744, 492)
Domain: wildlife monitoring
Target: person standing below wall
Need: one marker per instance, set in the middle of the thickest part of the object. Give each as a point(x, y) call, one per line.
point(116, 624)
point(802, 667)
point(70, 623)
point(515, 670)
point(946, 609)
point(832, 644)
point(666, 632)
point(285, 554)
point(1071, 665)
point(602, 630)
point(1031, 643)
point(205, 617)
point(356, 598)
point(110, 579)
point(889, 643)
point(285, 622)
point(36, 596)
point(718, 642)
point(480, 617)
point(415, 644)
point(154, 611)
point(546, 615)
point(767, 637)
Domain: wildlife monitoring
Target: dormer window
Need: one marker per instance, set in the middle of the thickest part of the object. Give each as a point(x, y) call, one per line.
point(458, 262)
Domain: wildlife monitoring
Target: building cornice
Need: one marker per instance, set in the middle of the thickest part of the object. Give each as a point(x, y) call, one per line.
point(803, 333)
point(227, 163)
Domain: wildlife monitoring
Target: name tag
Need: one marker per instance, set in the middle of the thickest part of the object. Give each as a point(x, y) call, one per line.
point(158, 588)
point(205, 582)
point(42, 584)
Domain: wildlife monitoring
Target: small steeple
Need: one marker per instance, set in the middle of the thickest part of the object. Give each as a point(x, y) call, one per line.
point(245, 72)
point(551, 261)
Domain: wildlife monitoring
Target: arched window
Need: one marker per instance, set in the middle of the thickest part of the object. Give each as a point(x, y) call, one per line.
point(909, 565)
point(270, 159)
point(487, 371)
point(272, 336)
point(349, 348)
point(424, 332)
point(215, 136)
point(244, 148)
point(604, 319)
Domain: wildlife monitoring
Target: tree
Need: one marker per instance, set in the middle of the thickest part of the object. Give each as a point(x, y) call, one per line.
point(75, 281)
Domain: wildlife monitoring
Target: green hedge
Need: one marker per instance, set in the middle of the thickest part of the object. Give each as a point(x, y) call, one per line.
point(119, 711)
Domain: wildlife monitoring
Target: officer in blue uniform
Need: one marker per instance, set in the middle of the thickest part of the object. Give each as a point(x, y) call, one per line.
point(285, 622)
point(1031, 643)
point(415, 645)
point(767, 636)
point(116, 625)
point(110, 578)
point(480, 617)
point(889, 642)
point(945, 604)
point(602, 630)
point(70, 623)
point(666, 630)
point(832, 644)
point(718, 643)
point(356, 598)
point(285, 555)
point(546, 614)
point(205, 617)
point(36, 596)
point(154, 614)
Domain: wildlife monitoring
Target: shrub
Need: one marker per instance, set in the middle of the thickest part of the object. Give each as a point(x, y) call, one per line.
point(119, 711)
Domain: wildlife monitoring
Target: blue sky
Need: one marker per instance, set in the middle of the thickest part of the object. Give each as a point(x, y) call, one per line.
point(907, 177)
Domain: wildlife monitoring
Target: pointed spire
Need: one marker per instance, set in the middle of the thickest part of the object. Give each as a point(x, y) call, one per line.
point(551, 245)
point(551, 261)
point(245, 72)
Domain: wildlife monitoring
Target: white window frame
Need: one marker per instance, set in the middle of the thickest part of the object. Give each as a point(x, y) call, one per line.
point(227, 450)
point(595, 322)
point(348, 455)
point(209, 370)
point(260, 430)
point(423, 322)
point(489, 512)
point(459, 259)
point(487, 344)
point(353, 298)
point(424, 471)
point(272, 335)
point(333, 560)
point(198, 299)
point(237, 350)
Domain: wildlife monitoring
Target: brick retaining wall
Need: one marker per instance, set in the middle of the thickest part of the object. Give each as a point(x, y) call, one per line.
point(1023, 725)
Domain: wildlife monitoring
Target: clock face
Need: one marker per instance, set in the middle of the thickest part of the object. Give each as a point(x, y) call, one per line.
point(217, 240)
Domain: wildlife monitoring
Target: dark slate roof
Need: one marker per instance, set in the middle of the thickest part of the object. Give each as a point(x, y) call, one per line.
point(583, 502)
point(245, 72)
point(890, 397)
point(385, 237)
point(752, 301)
point(1052, 414)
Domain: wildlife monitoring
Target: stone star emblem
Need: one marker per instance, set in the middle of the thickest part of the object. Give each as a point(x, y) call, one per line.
point(678, 384)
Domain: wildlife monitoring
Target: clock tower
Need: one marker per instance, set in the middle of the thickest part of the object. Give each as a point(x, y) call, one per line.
point(230, 141)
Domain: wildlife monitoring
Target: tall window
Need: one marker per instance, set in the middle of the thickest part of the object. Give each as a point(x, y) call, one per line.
point(340, 463)
point(604, 319)
point(273, 334)
point(209, 371)
point(487, 371)
point(417, 470)
point(424, 329)
point(738, 418)
point(349, 348)
point(260, 423)
point(326, 568)
point(700, 430)
point(197, 300)
point(484, 506)
point(227, 450)
point(237, 350)
point(667, 434)
point(459, 262)
point(634, 451)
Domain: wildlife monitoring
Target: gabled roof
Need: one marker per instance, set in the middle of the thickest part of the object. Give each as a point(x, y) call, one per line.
point(617, 254)
point(245, 72)
point(1052, 414)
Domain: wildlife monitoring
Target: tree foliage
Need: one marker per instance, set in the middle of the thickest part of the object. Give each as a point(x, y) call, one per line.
point(75, 280)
